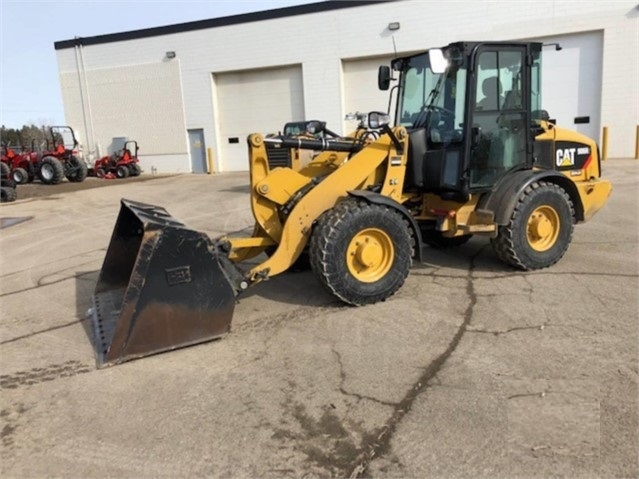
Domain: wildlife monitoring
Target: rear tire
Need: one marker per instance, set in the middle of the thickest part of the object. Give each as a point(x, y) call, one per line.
point(100, 173)
point(7, 194)
point(51, 170)
point(5, 171)
point(540, 228)
point(122, 171)
point(361, 252)
point(134, 169)
point(77, 170)
point(20, 176)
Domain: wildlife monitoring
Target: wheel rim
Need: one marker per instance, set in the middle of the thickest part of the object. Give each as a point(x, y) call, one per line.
point(369, 255)
point(47, 172)
point(543, 228)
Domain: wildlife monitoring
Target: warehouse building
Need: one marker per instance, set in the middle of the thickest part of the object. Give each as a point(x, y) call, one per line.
point(190, 93)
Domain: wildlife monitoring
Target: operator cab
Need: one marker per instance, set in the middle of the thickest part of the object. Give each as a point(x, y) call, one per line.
point(467, 110)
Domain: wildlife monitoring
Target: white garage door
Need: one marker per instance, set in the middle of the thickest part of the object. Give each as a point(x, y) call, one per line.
point(256, 101)
point(360, 87)
point(571, 81)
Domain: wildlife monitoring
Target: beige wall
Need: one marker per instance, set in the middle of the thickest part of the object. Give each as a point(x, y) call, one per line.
point(141, 102)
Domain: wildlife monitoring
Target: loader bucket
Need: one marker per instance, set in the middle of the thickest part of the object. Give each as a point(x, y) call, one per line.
point(162, 286)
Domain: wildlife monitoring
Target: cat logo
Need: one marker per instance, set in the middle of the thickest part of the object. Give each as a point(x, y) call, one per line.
point(565, 157)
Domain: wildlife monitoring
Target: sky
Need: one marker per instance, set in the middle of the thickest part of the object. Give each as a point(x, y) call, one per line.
point(29, 82)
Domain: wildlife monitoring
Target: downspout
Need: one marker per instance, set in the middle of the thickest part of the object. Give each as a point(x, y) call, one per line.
point(93, 147)
point(82, 101)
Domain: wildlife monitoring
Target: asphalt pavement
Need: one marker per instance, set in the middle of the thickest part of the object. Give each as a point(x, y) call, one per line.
point(471, 369)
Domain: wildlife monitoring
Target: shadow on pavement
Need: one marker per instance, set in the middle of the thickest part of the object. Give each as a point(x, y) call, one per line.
point(85, 282)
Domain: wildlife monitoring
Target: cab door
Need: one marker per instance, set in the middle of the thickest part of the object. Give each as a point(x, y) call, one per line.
point(498, 113)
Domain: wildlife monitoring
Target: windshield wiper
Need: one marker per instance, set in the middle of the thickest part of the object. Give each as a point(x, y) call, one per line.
point(434, 93)
point(429, 103)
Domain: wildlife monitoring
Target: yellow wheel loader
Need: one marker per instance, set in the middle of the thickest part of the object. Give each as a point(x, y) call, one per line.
point(470, 152)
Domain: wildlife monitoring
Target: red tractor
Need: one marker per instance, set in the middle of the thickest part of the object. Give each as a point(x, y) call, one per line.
point(62, 160)
point(59, 159)
point(122, 163)
point(21, 162)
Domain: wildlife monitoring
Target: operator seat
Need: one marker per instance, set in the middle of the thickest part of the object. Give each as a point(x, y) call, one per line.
point(491, 88)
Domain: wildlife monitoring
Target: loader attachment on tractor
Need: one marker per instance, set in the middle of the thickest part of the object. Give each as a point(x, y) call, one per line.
point(162, 286)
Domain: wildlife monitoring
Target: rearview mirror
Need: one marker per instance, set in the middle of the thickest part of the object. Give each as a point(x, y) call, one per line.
point(383, 77)
point(438, 63)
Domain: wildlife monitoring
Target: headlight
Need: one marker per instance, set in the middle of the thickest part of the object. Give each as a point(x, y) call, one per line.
point(378, 119)
point(315, 126)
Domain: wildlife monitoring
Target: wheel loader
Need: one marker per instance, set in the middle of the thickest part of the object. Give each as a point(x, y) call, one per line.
point(469, 152)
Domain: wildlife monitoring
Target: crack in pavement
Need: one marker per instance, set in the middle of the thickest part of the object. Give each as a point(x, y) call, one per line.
point(41, 284)
point(380, 443)
point(40, 265)
point(498, 332)
point(542, 394)
point(527, 274)
point(359, 397)
point(35, 333)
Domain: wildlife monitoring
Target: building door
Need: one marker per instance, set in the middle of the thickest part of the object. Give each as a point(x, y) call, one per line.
point(198, 151)
point(571, 81)
point(254, 101)
point(360, 88)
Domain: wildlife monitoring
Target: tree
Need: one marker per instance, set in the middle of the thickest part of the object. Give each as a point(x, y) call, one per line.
point(28, 137)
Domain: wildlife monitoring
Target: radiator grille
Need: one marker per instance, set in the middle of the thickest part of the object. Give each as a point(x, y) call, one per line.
point(278, 156)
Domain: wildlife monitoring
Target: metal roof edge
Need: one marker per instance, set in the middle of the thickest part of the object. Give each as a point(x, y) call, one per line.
point(217, 22)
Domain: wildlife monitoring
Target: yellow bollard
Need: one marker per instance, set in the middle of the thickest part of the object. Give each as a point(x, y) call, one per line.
point(604, 143)
point(209, 158)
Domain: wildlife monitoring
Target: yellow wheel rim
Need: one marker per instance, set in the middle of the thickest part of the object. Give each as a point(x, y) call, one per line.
point(543, 228)
point(370, 255)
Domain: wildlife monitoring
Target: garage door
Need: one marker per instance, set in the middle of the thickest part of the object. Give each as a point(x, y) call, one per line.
point(254, 101)
point(360, 87)
point(571, 81)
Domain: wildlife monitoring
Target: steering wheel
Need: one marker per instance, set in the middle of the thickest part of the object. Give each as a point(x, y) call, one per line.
point(444, 112)
point(426, 111)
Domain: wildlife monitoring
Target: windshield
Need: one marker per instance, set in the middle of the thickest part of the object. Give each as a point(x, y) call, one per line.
point(431, 100)
point(63, 136)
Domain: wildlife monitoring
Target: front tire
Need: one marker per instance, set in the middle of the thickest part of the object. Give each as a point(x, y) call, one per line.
point(361, 252)
point(77, 170)
point(51, 171)
point(7, 194)
point(122, 171)
point(540, 228)
point(20, 176)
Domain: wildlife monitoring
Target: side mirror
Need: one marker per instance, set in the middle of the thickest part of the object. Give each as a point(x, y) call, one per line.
point(384, 77)
point(438, 63)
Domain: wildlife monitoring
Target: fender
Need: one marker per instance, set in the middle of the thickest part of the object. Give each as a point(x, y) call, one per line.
point(503, 199)
point(377, 199)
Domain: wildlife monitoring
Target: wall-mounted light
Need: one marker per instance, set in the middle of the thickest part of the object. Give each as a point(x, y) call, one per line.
point(393, 26)
point(557, 46)
point(170, 55)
